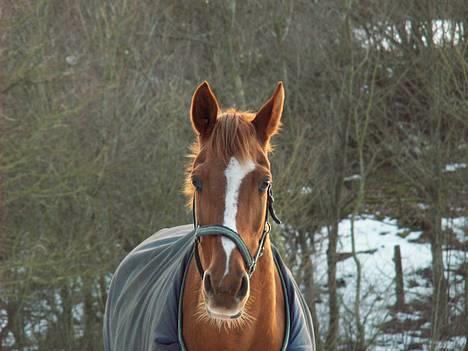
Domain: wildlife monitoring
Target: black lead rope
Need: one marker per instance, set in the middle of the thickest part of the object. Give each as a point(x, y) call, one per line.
point(209, 230)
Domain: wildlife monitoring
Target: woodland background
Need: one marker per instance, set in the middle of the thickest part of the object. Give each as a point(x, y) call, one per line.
point(94, 130)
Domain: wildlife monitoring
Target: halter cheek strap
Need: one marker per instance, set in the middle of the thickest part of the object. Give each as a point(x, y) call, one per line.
point(210, 230)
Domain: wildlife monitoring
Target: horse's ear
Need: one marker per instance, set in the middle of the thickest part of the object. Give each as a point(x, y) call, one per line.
point(267, 119)
point(204, 110)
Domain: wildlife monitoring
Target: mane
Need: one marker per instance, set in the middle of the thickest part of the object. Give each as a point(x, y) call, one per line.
point(233, 136)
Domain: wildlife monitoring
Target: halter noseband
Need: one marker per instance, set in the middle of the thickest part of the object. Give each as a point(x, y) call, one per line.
point(209, 230)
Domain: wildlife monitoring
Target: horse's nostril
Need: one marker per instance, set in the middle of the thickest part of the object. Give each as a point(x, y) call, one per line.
point(243, 288)
point(207, 284)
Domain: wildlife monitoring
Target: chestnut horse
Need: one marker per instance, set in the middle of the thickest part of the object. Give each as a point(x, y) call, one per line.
point(229, 178)
point(229, 181)
point(222, 285)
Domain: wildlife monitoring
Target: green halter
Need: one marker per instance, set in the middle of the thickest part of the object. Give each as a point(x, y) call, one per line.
point(209, 230)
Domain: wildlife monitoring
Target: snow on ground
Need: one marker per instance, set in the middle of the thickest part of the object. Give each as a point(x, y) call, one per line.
point(458, 225)
point(375, 239)
point(452, 167)
point(381, 235)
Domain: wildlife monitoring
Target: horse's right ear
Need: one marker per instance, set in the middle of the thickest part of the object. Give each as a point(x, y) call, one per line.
point(204, 110)
point(267, 120)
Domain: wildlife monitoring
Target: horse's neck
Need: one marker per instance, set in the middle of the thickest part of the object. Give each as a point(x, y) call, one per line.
point(263, 326)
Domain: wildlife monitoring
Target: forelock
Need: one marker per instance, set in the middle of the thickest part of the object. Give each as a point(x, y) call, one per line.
point(233, 136)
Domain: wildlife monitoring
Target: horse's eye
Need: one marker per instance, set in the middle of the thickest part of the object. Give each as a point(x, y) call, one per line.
point(264, 184)
point(197, 183)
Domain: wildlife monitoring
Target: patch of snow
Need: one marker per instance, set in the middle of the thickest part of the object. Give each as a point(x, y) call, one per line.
point(40, 327)
point(3, 318)
point(72, 60)
point(423, 206)
point(452, 167)
point(9, 340)
point(458, 225)
point(78, 314)
point(378, 273)
point(408, 316)
point(413, 236)
point(444, 32)
point(353, 177)
point(454, 343)
point(402, 342)
point(381, 263)
point(389, 72)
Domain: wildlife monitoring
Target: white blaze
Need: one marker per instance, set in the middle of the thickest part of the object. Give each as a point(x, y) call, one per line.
point(234, 173)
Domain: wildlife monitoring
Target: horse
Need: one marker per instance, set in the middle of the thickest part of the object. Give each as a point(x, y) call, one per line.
point(220, 285)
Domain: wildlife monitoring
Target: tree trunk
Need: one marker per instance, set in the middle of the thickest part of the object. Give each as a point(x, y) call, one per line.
point(439, 297)
point(339, 162)
point(399, 286)
point(309, 283)
point(465, 268)
point(361, 335)
point(439, 315)
point(332, 289)
point(16, 324)
point(66, 318)
point(89, 337)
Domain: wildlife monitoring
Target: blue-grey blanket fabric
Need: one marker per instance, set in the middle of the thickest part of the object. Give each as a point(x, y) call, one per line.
point(142, 309)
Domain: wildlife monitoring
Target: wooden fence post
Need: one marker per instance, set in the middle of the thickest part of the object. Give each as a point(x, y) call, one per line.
point(400, 289)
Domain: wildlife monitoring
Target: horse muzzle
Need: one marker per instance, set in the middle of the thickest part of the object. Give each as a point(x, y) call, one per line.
point(225, 296)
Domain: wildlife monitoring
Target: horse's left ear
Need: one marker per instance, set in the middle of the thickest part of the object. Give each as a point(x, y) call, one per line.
point(204, 110)
point(267, 120)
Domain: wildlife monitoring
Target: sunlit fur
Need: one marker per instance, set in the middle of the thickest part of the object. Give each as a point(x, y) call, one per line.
point(244, 321)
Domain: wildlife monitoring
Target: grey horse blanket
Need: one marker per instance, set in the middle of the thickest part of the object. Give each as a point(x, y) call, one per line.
point(143, 306)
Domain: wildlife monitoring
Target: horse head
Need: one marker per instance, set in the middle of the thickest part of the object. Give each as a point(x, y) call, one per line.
point(229, 182)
